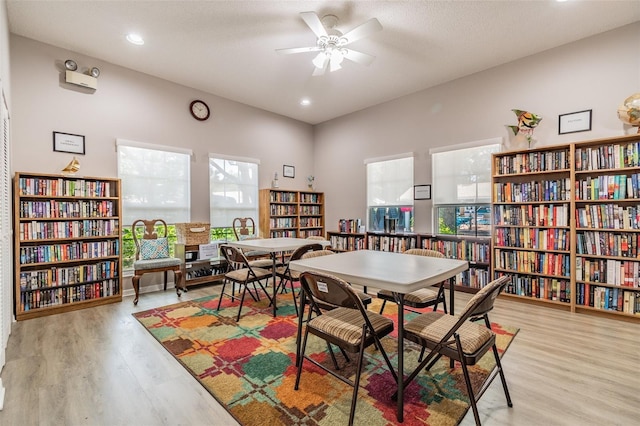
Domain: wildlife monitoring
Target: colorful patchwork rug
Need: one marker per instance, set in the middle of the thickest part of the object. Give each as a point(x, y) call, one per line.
point(249, 367)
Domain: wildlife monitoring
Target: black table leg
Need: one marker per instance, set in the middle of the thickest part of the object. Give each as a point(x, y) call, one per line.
point(400, 413)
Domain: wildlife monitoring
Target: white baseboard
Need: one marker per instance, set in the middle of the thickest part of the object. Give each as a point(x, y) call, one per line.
point(1, 395)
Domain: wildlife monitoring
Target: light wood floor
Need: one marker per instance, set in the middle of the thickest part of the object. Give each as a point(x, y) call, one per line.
point(100, 367)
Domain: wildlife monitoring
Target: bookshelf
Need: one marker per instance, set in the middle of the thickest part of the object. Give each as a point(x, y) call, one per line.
point(196, 270)
point(532, 223)
point(567, 225)
point(296, 214)
point(607, 226)
point(475, 250)
point(347, 241)
point(397, 242)
point(67, 243)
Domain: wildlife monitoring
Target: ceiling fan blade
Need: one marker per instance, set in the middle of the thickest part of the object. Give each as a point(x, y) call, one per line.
point(364, 30)
point(321, 61)
point(359, 57)
point(318, 71)
point(314, 23)
point(298, 50)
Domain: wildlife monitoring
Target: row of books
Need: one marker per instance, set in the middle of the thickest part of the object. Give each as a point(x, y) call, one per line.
point(309, 198)
point(56, 277)
point(283, 222)
point(599, 243)
point(611, 299)
point(310, 221)
point(540, 288)
point(472, 251)
point(545, 190)
point(65, 187)
point(622, 273)
point(613, 156)
point(284, 234)
point(533, 262)
point(305, 233)
point(533, 238)
point(35, 230)
point(283, 197)
point(347, 243)
point(608, 216)
point(349, 225)
point(66, 252)
point(283, 209)
point(388, 243)
point(533, 162)
point(310, 210)
point(475, 278)
point(530, 215)
point(66, 209)
point(608, 187)
point(43, 298)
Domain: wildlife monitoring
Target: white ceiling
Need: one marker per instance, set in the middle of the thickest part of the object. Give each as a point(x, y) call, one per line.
point(227, 48)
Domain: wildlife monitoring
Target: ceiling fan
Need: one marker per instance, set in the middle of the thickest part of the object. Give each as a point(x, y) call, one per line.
point(331, 43)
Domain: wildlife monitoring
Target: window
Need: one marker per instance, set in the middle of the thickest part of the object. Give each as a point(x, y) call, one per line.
point(155, 184)
point(390, 194)
point(462, 194)
point(233, 186)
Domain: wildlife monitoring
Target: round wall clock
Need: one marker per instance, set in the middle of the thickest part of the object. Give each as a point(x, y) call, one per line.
point(200, 110)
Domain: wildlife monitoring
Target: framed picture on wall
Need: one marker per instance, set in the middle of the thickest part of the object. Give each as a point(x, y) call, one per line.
point(67, 142)
point(422, 192)
point(288, 171)
point(574, 122)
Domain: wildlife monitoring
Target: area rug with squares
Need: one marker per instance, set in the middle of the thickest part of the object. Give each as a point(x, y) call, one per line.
point(249, 367)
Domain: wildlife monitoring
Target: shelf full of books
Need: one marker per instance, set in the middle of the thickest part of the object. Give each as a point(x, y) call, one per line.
point(477, 251)
point(568, 227)
point(295, 214)
point(67, 243)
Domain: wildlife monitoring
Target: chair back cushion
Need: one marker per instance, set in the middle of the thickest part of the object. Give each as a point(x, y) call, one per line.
point(154, 249)
point(331, 290)
point(234, 257)
point(300, 251)
point(482, 301)
point(316, 253)
point(424, 252)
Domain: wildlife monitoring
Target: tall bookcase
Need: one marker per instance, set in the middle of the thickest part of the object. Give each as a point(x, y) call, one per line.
point(567, 225)
point(67, 243)
point(296, 214)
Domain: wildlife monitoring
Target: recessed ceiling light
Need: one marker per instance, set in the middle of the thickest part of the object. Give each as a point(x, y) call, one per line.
point(305, 102)
point(135, 39)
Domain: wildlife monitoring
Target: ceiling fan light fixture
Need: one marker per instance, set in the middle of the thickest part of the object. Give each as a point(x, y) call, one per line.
point(320, 60)
point(135, 39)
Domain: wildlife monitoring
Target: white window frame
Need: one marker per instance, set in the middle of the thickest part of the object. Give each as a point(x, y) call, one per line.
point(441, 184)
point(172, 215)
point(408, 194)
point(248, 207)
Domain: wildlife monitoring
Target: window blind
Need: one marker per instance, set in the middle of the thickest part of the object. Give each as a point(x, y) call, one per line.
point(155, 182)
point(233, 186)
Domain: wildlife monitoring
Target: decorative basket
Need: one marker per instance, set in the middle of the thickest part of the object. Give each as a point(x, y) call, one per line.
point(193, 233)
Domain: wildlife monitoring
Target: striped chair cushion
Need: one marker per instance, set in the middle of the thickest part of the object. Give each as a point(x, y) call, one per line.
point(423, 295)
point(434, 325)
point(139, 265)
point(242, 275)
point(261, 263)
point(346, 323)
point(316, 253)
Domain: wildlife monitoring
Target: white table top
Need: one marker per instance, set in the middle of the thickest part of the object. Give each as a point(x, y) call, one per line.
point(275, 244)
point(401, 273)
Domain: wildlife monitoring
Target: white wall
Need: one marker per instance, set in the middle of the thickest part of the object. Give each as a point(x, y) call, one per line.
point(597, 73)
point(139, 107)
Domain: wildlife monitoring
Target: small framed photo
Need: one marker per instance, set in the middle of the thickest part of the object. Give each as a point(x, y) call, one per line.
point(574, 122)
point(289, 171)
point(422, 192)
point(67, 142)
